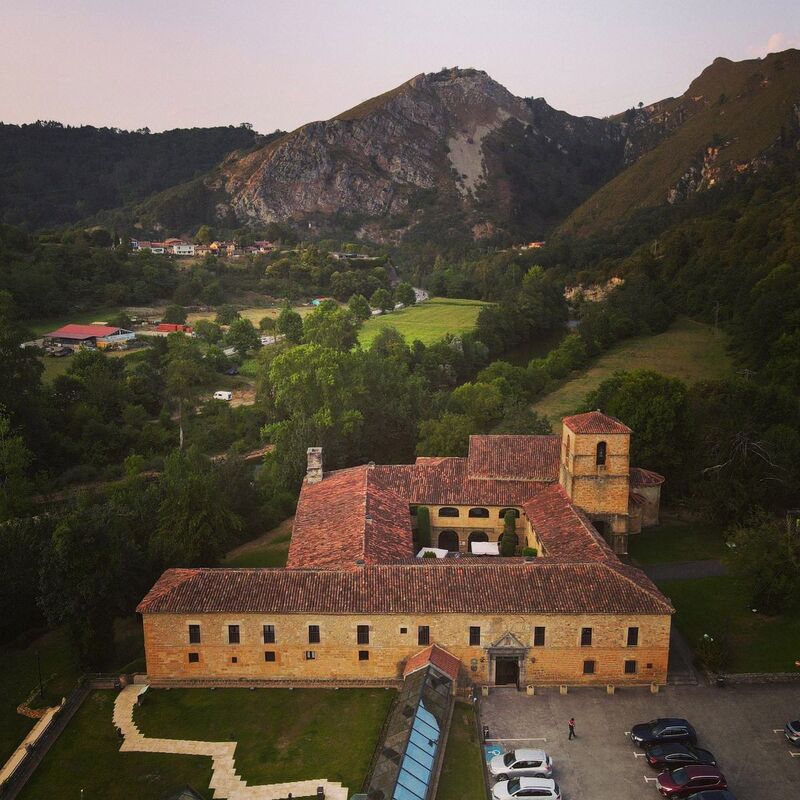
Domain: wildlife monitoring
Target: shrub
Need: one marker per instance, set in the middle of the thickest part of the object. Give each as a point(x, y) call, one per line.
point(530, 552)
point(428, 554)
point(509, 538)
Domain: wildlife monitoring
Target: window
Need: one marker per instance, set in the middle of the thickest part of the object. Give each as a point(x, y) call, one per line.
point(403, 630)
point(481, 513)
point(269, 634)
point(586, 637)
point(233, 634)
point(447, 511)
point(630, 667)
point(600, 458)
point(194, 658)
point(363, 655)
point(234, 660)
point(269, 655)
point(362, 634)
point(194, 634)
point(313, 634)
point(538, 636)
point(423, 634)
point(633, 637)
point(588, 667)
point(310, 655)
point(474, 636)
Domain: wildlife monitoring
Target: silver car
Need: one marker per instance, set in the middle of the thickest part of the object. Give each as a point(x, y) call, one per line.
point(516, 763)
point(543, 788)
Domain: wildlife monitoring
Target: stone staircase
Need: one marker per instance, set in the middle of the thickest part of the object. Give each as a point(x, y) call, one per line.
point(225, 781)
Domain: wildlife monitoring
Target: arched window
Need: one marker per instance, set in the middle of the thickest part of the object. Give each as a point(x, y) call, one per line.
point(447, 511)
point(504, 511)
point(600, 458)
point(478, 536)
point(448, 540)
point(482, 513)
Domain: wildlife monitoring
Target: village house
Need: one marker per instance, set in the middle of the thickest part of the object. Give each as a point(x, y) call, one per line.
point(100, 336)
point(355, 604)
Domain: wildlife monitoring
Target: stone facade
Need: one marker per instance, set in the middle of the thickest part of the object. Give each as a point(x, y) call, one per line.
point(467, 527)
point(394, 638)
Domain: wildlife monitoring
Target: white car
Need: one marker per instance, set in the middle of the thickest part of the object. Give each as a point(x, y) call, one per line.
point(528, 762)
point(543, 788)
point(227, 396)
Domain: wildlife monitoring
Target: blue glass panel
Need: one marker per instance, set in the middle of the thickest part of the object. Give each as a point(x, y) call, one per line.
point(401, 793)
point(416, 769)
point(427, 717)
point(426, 730)
point(418, 754)
point(423, 742)
point(411, 783)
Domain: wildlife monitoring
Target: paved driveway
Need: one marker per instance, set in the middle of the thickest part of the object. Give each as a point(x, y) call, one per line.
point(738, 724)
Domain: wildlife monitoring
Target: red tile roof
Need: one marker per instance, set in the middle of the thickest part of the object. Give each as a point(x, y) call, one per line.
point(563, 529)
point(645, 477)
point(349, 516)
point(438, 656)
point(528, 458)
point(82, 331)
point(540, 586)
point(595, 422)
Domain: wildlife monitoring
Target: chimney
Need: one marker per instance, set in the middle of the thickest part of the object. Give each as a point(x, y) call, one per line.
point(314, 467)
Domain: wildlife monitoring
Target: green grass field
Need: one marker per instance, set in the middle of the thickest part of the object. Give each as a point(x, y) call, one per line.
point(86, 757)
point(268, 550)
point(689, 350)
point(282, 734)
point(677, 541)
point(428, 322)
point(715, 605)
point(462, 772)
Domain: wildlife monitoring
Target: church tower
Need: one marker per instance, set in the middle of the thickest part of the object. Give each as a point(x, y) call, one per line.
point(595, 471)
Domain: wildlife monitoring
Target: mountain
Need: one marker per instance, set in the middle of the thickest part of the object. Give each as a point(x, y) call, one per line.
point(51, 174)
point(443, 152)
point(732, 121)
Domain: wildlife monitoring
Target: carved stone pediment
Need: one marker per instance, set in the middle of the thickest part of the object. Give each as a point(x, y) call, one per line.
point(508, 642)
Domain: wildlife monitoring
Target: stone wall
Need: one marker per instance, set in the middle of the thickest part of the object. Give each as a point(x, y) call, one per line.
point(464, 525)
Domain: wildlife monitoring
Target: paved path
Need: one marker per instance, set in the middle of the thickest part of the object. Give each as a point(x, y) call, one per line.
point(224, 780)
point(685, 570)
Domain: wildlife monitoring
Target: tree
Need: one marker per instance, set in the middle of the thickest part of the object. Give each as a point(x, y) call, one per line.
point(509, 539)
point(290, 324)
point(359, 307)
point(423, 526)
point(184, 371)
point(446, 436)
point(382, 300)
point(204, 234)
point(331, 326)
point(404, 293)
point(226, 314)
point(266, 324)
point(242, 336)
point(175, 315)
point(208, 331)
point(15, 458)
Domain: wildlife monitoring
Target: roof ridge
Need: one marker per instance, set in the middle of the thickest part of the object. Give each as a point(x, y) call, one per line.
point(618, 567)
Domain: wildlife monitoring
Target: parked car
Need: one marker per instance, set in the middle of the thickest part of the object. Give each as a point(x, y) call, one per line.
point(543, 788)
point(60, 352)
point(663, 730)
point(712, 794)
point(227, 396)
point(685, 781)
point(792, 732)
point(232, 371)
point(669, 756)
point(516, 763)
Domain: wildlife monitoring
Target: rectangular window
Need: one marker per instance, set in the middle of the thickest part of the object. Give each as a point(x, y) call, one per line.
point(538, 636)
point(423, 634)
point(310, 655)
point(474, 636)
point(633, 637)
point(363, 655)
point(194, 658)
point(233, 634)
point(403, 630)
point(194, 634)
point(362, 634)
point(269, 634)
point(630, 667)
point(269, 655)
point(586, 637)
point(588, 667)
point(313, 634)
point(234, 660)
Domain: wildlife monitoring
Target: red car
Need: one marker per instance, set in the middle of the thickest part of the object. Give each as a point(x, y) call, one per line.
point(690, 780)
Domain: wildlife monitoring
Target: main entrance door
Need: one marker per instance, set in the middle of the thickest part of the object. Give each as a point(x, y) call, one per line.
point(506, 671)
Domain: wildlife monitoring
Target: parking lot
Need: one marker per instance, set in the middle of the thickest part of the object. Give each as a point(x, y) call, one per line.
point(741, 725)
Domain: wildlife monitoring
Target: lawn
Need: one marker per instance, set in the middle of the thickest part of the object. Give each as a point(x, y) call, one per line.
point(428, 322)
point(677, 541)
point(282, 734)
point(689, 350)
point(268, 550)
point(59, 366)
point(715, 605)
point(462, 770)
point(85, 763)
point(60, 672)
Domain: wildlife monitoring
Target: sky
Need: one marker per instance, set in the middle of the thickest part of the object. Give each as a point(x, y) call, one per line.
point(276, 64)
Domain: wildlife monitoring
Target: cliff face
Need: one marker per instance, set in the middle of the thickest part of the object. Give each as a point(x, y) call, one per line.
point(454, 142)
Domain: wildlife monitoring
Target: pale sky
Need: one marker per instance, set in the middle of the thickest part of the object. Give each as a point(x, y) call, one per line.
point(278, 64)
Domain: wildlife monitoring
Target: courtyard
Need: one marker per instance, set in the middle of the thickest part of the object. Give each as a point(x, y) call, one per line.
point(742, 725)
